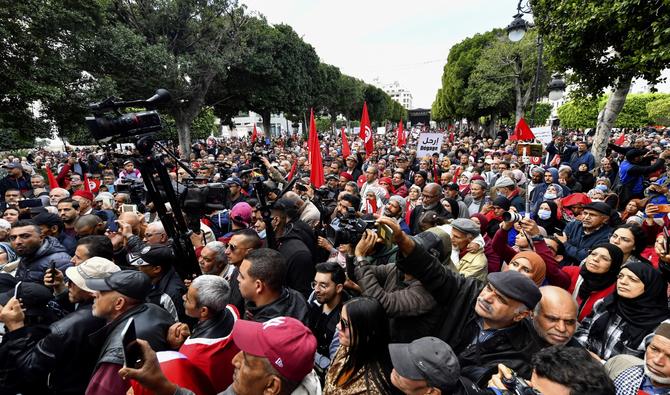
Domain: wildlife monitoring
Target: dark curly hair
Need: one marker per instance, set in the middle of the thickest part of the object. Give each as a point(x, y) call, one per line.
point(574, 368)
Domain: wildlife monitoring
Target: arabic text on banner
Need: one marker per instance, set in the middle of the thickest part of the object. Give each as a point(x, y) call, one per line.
point(428, 144)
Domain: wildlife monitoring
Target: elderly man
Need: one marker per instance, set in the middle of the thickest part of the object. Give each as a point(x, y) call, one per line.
point(484, 323)
point(432, 193)
point(506, 187)
point(56, 195)
point(85, 200)
point(155, 234)
point(579, 237)
point(475, 201)
point(275, 358)
point(633, 375)
point(467, 263)
point(555, 317)
point(213, 260)
point(119, 298)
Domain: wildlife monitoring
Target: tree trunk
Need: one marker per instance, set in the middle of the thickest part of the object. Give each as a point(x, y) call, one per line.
point(493, 126)
point(607, 118)
point(184, 133)
point(265, 114)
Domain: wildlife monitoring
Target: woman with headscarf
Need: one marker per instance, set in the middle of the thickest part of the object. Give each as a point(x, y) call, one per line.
point(584, 177)
point(464, 183)
point(619, 324)
point(547, 217)
point(595, 279)
point(530, 264)
point(373, 203)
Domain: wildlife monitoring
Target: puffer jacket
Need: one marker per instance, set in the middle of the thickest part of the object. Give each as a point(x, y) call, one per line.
point(412, 310)
point(290, 304)
point(32, 268)
point(168, 293)
point(459, 323)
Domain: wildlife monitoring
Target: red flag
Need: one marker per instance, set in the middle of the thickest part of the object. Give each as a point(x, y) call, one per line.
point(366, 130)
point(402, 140)
point(52, 180)
point(254, 134)
point(620, 140)
point(346, 151)
point(316, 172)
point(293, 169)
point(522, 131)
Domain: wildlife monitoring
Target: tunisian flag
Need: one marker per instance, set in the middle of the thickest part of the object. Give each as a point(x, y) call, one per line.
point(346, 151)
point(522, 131)
point(402, 139)
point(620, 140)
point(314, 149)
point(366, 130)
point(254, 134)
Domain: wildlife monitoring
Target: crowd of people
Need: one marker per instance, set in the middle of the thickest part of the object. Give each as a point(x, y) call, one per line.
point(476, 270)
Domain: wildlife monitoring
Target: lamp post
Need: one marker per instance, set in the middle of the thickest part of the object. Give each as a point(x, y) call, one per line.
point(516, 30)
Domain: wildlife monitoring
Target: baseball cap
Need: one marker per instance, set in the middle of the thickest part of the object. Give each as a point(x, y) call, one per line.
point(428, 358)
point(241, 213)
point(95, 267)
point(35, 298)
point(153, 254)
point(234, 180)
point(516, 286)
point(48, 219)
point(288, 345)
point(12, 165)
point(131, 283)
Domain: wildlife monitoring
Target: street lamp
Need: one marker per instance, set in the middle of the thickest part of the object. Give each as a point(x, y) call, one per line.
point(556, 87)
point(517, 29)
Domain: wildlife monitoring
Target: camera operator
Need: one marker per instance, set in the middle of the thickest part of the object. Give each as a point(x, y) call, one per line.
point(295, 240)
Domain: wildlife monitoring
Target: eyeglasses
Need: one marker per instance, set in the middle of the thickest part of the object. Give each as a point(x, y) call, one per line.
point(344, 324)
point(232, 247)
point(426, 196)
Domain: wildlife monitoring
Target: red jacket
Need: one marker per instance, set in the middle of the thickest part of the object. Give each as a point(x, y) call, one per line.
point(573, 273)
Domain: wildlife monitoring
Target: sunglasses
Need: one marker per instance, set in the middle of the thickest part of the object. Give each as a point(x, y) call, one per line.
point(232, 247)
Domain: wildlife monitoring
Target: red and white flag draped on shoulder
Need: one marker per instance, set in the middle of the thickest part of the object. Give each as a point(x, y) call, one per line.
point(366, 131)
point(314, 149)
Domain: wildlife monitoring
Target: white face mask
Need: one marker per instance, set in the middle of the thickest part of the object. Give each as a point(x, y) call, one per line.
point(550, 196)
point(262, 234)
point(544, 214)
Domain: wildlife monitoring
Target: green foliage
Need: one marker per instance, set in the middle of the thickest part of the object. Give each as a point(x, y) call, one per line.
point(578, 113)
point(583, 113)
point(542, 113)
point(634, 113)
point(323, 124)
point(659, 111)
point(603, 42)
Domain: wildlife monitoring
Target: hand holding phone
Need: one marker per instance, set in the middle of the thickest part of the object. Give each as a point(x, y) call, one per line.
point(132, 353)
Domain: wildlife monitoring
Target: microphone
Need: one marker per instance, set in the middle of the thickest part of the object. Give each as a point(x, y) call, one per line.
point(162, 96)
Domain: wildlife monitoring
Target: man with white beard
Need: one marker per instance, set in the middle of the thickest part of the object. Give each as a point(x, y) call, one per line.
point(632, 375)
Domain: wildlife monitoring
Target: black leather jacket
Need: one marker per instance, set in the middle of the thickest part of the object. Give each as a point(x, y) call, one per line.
point(65, 353)
point(290, 304)
point(215, 327)
point(151, 324)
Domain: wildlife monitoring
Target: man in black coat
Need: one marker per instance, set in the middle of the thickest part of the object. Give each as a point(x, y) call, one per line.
point(485, 324)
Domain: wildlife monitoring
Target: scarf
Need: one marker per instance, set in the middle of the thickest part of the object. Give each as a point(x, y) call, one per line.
point(641, 314)
point(594, 282)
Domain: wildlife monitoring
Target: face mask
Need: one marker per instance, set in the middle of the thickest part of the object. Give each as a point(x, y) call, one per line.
point(602, 187)
point(550, 196)
point(262, 234)
point(498, 193)
point(544, 214)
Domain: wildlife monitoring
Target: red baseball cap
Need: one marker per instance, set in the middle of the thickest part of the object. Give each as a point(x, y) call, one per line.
point(284, 341)
point(85, 194)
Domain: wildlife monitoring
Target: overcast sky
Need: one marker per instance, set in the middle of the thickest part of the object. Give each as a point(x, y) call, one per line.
point(404, 41)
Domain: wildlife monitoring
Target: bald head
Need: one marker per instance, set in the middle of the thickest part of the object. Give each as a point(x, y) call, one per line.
point(555, 317)
point(433, 189)
point(295, 198)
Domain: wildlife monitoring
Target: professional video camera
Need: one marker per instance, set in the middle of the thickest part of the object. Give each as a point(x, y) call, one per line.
point(348, 229)
point(135, 189)
point(107, 123)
